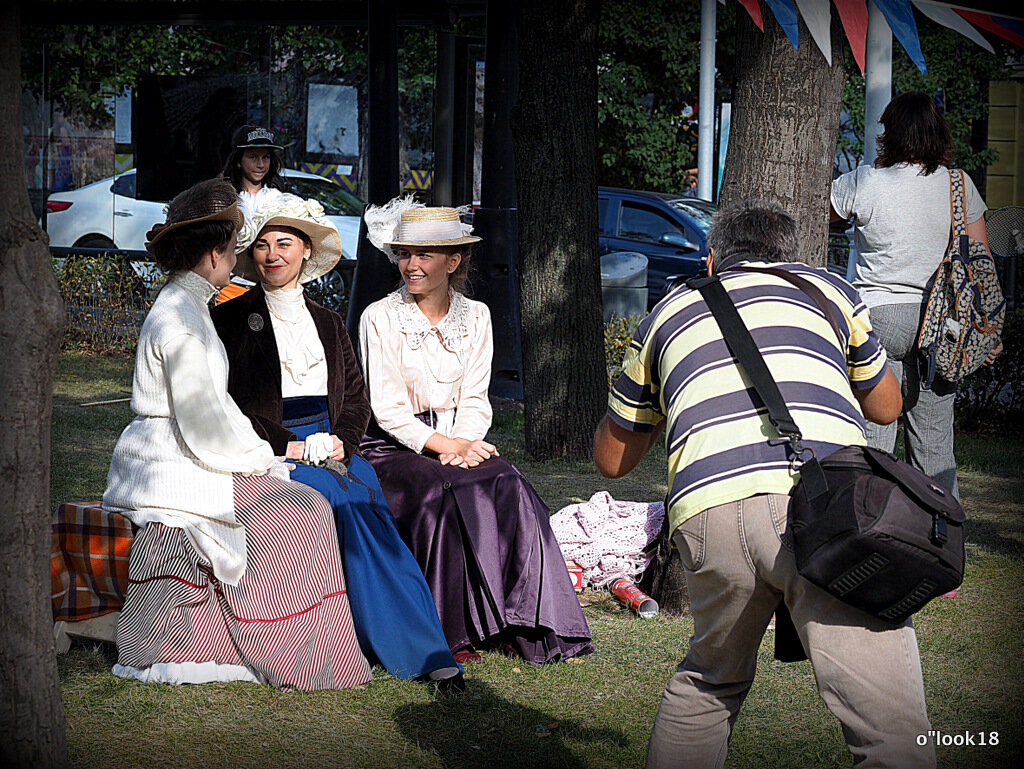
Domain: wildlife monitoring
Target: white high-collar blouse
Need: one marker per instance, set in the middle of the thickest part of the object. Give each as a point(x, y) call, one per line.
point(303, 361)
point(412, 367)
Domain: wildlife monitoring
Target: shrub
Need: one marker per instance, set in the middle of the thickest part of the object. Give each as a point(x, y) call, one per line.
point(618, 333)
point(105, 302)
point(993, 396)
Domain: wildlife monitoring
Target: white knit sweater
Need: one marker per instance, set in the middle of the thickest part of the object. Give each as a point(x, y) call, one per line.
point(173, 463)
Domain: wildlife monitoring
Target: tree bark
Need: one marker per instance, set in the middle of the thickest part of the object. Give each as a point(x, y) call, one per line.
point(782, 142)
point(554, 128)
point(31, 322)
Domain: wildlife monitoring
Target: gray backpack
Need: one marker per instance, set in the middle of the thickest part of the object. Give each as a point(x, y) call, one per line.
point(966, 306)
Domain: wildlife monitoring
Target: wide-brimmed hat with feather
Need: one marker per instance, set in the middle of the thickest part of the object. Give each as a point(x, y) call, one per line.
point(405, 222)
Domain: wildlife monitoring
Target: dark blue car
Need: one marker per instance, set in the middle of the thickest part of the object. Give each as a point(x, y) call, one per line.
point(669, 229)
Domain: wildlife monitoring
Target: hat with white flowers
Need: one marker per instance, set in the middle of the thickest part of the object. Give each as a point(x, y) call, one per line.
point(305, 215)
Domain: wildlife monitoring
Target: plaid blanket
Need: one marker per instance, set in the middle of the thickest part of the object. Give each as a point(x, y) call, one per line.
point(88, 561)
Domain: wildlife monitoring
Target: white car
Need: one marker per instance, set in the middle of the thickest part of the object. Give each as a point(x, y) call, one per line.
point(106, 214)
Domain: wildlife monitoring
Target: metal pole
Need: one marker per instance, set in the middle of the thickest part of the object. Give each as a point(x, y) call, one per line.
point(374, 276)
point(706, 104)
point(444, 118)
point(877, 78)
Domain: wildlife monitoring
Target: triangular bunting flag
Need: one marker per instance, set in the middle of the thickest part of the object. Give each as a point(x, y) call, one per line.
point(818, 16)
point(947, 17)
point(854, 15)
point(754, 9)
point(991, 24)
point(785, 14)
point(1014, 25)
point(900, 16)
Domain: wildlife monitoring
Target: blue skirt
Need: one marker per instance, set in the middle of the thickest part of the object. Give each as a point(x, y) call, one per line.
point(392, 608)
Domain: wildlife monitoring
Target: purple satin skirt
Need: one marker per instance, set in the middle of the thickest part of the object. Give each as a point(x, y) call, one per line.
point(483, 539)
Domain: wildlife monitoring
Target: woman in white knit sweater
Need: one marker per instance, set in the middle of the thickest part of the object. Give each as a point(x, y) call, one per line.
point(235, 572)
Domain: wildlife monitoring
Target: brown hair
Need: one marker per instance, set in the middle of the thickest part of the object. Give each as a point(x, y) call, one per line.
point(200, 219)
point(915, 132)
point(458, 280)
point(233, 166)
point(184, 248)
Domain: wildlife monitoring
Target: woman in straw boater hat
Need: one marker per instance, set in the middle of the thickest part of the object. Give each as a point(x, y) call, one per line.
point(293, 372)
point(254, 167)
point(223, 529)
point(478, 529)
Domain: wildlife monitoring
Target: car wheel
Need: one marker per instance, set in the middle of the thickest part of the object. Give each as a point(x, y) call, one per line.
point(331, 291)
point(95, 241)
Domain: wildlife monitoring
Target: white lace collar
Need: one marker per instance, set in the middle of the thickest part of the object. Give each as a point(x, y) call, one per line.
point(195, 285)
point(414, 324)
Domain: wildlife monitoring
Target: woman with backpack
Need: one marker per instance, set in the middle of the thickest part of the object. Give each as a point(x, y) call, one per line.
point(902, 221)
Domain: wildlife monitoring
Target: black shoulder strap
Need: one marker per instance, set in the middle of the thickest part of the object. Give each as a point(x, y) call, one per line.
point(741, 344)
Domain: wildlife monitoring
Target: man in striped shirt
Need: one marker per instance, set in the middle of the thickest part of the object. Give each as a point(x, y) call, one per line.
point(729, 474)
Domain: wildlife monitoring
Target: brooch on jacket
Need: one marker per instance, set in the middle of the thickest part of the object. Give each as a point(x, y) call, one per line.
point(256, 321)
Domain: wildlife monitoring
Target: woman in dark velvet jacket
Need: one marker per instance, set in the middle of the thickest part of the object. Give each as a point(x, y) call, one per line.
point(293, 372)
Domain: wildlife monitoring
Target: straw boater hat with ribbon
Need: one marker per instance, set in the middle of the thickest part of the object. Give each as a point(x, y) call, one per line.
point(213, 200)
point(404, 222)
point(306, 216)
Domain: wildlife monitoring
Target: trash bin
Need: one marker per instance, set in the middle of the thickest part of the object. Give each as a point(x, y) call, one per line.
point(624, 284)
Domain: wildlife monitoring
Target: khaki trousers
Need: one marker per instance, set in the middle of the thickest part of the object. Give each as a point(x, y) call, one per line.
point(739, 561)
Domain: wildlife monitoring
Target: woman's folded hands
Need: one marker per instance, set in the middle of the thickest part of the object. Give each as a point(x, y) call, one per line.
point(321, 446)
point(467, 453)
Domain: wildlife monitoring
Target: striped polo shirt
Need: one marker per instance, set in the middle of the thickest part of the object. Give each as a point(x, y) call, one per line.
point(721, 446)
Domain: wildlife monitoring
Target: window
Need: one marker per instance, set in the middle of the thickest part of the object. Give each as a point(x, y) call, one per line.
point(336, 200)
point(124, 185)
point(605, 227)
point(638, 222)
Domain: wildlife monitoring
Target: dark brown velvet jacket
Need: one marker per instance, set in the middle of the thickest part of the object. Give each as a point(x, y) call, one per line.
point(254, 370)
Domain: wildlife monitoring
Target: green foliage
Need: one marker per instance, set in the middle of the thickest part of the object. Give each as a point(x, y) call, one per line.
point(958, 70)
point(86, 64)
point(647, 75)
point(339, 52)
point(105, 302)
point(993, 396)
point(618, 333)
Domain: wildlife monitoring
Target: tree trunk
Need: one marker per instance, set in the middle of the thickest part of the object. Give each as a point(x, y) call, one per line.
point(786, 106)
point(785, 120)
point(554, 128)
point(31, 322)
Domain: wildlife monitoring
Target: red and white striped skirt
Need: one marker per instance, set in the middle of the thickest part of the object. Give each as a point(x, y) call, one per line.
point(287, 620)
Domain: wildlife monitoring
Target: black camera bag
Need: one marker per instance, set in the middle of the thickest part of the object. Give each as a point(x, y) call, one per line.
point(871, 530)
point(879, 534)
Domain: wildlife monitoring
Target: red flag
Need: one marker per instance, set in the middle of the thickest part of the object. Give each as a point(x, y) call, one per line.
point(989, 24)
point(754, 9)
point(854, 15)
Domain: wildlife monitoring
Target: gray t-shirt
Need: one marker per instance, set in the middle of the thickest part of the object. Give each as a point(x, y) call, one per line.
point(902, 225)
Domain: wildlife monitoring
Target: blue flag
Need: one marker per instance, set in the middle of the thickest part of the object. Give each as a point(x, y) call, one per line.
point(900, 16)
point(785, 14)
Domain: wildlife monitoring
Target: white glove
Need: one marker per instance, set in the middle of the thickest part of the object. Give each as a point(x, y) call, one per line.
point(280, 470)
point(318, 447)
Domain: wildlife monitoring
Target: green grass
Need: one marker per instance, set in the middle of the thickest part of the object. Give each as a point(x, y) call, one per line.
point(596, 712)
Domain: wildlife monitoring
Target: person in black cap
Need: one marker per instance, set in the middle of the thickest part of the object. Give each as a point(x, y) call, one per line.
point(254, 167)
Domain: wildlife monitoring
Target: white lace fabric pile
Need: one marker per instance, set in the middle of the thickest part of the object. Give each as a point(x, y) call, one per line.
point(607, 537)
